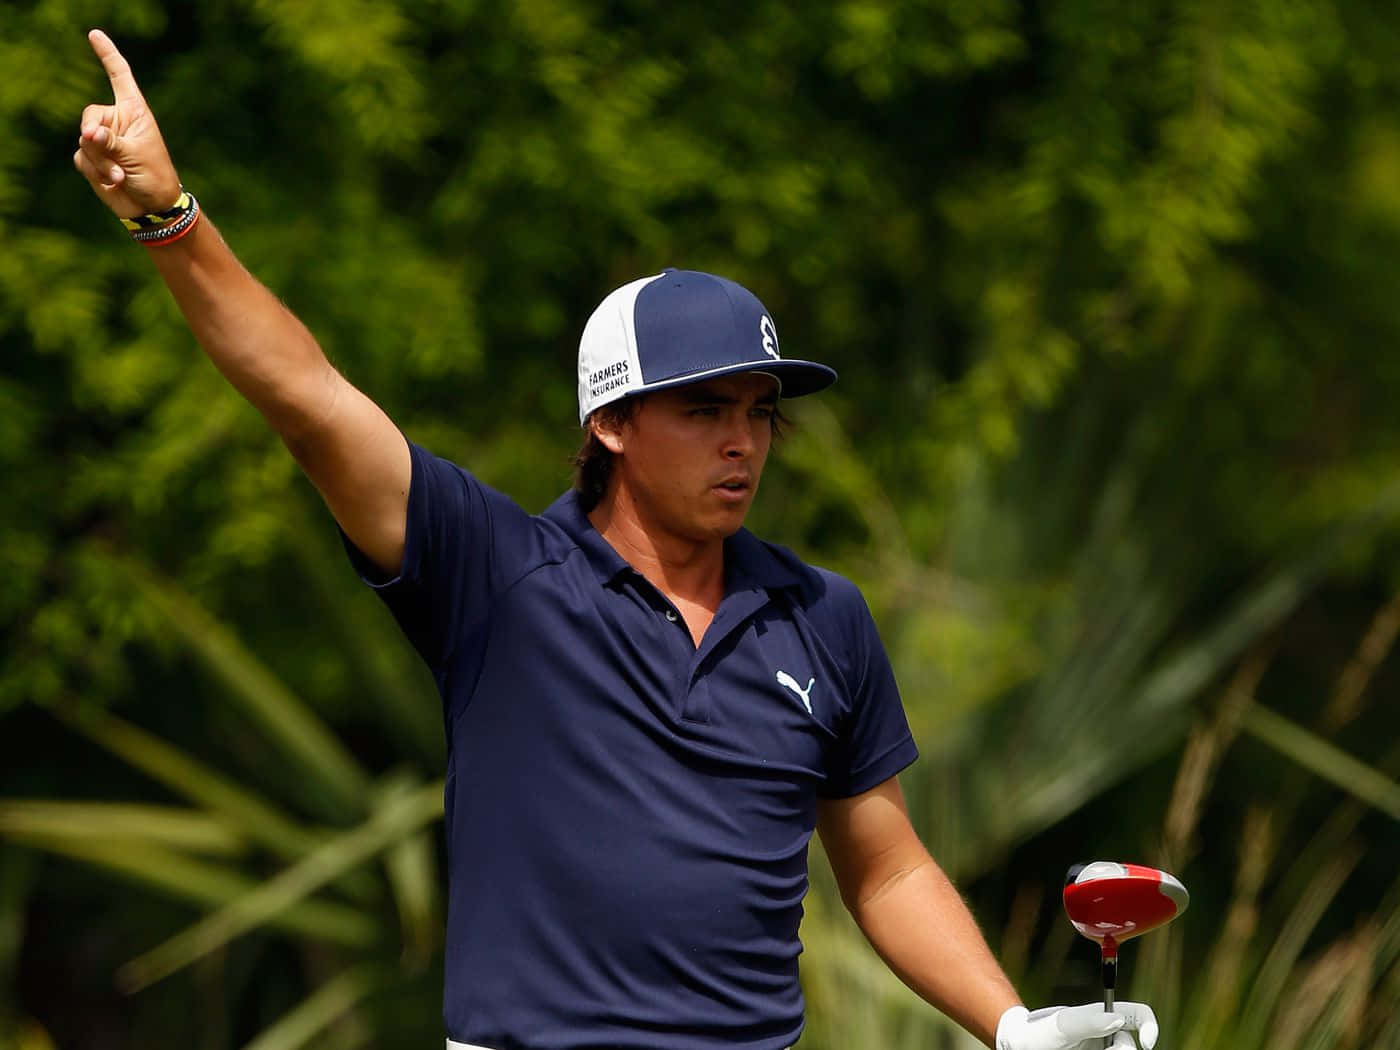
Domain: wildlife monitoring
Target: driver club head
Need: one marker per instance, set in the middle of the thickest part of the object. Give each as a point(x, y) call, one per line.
point(1109, 902)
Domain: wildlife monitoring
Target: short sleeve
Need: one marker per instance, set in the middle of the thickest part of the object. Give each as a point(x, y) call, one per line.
point(874, 741)
point(464, 541)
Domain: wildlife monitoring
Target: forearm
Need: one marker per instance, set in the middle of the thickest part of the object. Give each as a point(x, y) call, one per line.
point(256, 342)
point(925, 933)
point(349, 448)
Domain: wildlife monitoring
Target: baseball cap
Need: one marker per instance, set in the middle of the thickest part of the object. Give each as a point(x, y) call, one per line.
point(677, 327)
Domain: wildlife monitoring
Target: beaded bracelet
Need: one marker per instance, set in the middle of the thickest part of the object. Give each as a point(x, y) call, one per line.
point(177, 222)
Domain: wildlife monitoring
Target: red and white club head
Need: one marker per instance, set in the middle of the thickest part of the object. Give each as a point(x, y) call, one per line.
point(1109, 902)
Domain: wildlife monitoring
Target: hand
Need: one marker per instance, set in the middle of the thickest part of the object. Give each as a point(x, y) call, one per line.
point(1076, 1027)
point(120, 151)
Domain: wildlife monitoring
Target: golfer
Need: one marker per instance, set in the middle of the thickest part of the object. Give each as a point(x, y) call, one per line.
point(649, 710)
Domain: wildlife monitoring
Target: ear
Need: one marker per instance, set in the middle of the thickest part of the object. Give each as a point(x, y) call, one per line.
point(607, 430)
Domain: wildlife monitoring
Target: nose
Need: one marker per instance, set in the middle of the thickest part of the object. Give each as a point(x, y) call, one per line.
point(739, 439)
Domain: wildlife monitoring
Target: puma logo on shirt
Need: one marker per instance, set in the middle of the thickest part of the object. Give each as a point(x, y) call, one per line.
point(805, 695)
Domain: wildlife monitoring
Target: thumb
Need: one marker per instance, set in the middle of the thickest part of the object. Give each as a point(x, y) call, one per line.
point(1091, 1021)
point(114, 145)
point(1139, 1016)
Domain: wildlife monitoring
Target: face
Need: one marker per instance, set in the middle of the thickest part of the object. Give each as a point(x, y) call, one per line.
point(690, 457)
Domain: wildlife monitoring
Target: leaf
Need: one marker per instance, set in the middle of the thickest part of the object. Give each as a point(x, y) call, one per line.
point(1275, 975)
point(187, 776)
point(1323, 758)
point(292, 726)
point(205, 883)
point(412, 867)
point(398, 819)
point(320, 1010)
point(120, 823)
point(230, 803)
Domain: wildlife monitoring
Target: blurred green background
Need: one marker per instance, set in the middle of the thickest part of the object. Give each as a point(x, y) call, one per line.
point(1111, 288)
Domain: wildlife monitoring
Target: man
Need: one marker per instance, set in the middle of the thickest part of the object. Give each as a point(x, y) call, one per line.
point(648, 709)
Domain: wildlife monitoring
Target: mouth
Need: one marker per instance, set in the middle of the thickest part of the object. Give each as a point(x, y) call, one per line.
point(735, 488)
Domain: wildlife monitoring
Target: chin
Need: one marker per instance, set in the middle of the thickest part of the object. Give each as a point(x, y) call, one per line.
point(729, 524)
point(719, 527)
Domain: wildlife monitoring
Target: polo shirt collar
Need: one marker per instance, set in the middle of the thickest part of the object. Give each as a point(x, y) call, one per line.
point(748, 562)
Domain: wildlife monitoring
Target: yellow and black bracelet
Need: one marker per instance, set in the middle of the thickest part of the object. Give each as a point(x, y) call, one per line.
point(167, 226)
point(161, 218)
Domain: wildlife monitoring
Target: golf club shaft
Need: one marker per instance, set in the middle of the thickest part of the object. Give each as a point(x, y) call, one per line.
point(1110, 981)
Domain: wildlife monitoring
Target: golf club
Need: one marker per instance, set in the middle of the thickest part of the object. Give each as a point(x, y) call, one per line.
point(1110, 903)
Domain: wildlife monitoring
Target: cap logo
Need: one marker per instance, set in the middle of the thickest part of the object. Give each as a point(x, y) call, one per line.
point(770, 336)
point(608, 378)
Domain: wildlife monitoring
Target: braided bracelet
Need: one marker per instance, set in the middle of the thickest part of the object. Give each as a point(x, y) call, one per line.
point(177, 222)
point(182, 204)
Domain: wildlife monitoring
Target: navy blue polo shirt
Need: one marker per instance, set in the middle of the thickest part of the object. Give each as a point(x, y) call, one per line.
point(628, 815)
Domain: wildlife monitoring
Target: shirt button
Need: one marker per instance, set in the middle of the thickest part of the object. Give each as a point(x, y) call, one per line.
point(671, 615)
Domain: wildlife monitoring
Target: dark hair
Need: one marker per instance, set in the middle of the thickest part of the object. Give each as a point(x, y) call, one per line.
point(593, 463)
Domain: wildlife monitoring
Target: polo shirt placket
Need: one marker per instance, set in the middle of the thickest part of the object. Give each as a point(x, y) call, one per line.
point(732, 615)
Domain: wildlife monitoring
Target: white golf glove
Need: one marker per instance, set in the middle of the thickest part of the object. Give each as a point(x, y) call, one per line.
point(1076, 1027)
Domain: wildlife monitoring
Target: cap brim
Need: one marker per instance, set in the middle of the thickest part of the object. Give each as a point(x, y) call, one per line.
point(796, 378)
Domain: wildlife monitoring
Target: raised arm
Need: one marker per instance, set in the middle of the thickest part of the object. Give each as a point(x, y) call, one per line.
point(915, 918)
point(348, 447)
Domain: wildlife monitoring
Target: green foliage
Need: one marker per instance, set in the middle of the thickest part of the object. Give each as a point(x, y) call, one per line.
point(1113, 458)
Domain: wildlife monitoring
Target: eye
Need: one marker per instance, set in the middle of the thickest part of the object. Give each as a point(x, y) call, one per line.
point(706, 411)
point(762, 412)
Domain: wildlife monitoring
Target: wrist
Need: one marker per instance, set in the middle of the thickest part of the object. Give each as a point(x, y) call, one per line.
point(1012, 1018)
point(155, 229)
point(149, 204)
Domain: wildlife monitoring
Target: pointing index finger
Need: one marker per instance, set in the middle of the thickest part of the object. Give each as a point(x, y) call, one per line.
point(124, 87)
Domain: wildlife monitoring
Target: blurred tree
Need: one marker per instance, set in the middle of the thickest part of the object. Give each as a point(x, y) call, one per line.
point(1113, 456)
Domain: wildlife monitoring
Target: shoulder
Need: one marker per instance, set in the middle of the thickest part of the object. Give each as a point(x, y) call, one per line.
point(836, 614)
point(827, 597)
point(464, 509)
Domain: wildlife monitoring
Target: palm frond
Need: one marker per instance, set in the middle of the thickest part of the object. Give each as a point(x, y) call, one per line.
point(1275, 976)
point(253, 816)
point(411, 864)
point(291, 726)
point(399, 817)
point(117, 822)
point(1323, 758)
point(205, 883)
point(318, 1011)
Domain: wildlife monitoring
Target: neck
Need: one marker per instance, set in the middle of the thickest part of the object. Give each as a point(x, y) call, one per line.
point(687, 570)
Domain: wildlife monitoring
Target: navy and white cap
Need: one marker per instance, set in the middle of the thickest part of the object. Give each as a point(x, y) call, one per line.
point(677, 327)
